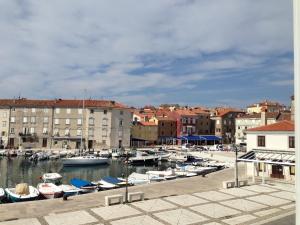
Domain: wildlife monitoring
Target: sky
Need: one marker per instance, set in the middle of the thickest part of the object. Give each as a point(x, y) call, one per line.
point(141, 52)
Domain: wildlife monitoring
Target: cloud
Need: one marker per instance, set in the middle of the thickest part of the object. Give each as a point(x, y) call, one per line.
point(58, 48)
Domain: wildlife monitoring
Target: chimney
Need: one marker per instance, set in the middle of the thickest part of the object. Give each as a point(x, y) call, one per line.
point(263, 117)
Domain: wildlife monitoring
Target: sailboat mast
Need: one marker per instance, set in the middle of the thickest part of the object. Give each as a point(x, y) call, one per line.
point(81, 137)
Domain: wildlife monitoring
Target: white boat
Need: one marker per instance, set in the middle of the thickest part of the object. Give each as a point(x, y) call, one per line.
point(3, 152)
point(163, 156)
point(143, 158)
point(14, 195)
point(116, 152)
point(168, 174)
point(104, 153)
point(110, 182)
point(52, 178)
point(177, 157)
point(69, 190)
point(2, 194)
point(49, 190)
point(139, 178)
point(184, 174)
point(85, 161)
point(196, 169)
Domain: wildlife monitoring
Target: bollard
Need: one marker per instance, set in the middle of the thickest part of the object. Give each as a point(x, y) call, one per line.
point(65, 197)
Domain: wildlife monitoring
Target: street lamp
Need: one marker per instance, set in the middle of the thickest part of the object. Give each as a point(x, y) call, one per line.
point(126, 181)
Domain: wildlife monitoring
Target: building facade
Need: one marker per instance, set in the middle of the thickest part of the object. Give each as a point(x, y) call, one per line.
point(225, 124)
point(266, 106)
point(271, 151)
point(67, 123)
point(144, 133)
point(166, 130)
point(4, 126)
point(249, 121)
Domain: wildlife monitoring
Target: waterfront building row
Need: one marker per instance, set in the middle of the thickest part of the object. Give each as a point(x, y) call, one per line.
point(62, 123)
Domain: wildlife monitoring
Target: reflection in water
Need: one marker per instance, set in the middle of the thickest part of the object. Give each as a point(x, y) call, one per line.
point(18, 170)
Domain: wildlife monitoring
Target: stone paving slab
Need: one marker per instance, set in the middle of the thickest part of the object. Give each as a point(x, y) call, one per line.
point(268, 200)
point(70, 218)
point(154, 205)
point(214, 195)
point(180, 217)
point(267, 212)
point(288, 206)
point(289, 188)
point(239, 219)
point(244, 205)
point(212, 223)
point(185, 200)
point(139, 220)
point(260, 188)
point(215, 210)
point(238, 192)
point(31, 221)
point(115, 212)
point(285, 194)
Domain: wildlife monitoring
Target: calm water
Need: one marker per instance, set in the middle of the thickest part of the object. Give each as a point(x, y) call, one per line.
point(19, 169)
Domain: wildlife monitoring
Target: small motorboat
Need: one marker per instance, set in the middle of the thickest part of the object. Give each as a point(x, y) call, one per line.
point(88, 160)
point(52, 178)
point(168, 174)
point(110, 182)
point(28, 153)
point(49, 190)
point(85, 186)
point(69, 190)
point(185, 174)
point(22, 192)
point(143, 158)
point(2, 194)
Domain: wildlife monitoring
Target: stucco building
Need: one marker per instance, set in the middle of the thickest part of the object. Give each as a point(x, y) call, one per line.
point(271, 151)
point(62, 123)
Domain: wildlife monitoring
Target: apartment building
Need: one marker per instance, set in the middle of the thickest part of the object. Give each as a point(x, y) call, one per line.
point(4, 126)
point(225, 123)
point(62, 123)
point(267, 106)
point(144, 133)
point(166, 130)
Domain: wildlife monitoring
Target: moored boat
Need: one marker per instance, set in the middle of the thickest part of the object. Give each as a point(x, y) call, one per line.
point(22, 192)
point(52, 178)
point(110, 182)
point(2, 194)
point(49, 190)
point(143, 158)
point(85, 161)
point(85, 186)
point(69, 190)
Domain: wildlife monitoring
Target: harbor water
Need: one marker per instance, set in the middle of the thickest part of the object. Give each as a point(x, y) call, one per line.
point(20, 169)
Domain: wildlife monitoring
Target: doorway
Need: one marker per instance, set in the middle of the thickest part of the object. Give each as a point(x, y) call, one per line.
point(90, 144)
point(11, 142)
point(44, 145)
point(277, 171)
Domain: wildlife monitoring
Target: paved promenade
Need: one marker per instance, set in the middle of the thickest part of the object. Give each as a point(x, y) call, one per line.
point(257, 204)
point(197, 200)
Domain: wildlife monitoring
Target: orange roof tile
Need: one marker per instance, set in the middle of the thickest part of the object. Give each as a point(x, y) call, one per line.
point(280, 126)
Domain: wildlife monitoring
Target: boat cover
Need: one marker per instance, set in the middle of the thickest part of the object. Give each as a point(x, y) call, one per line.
point(112, 180)
point(81, 183)
point(22, 189)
